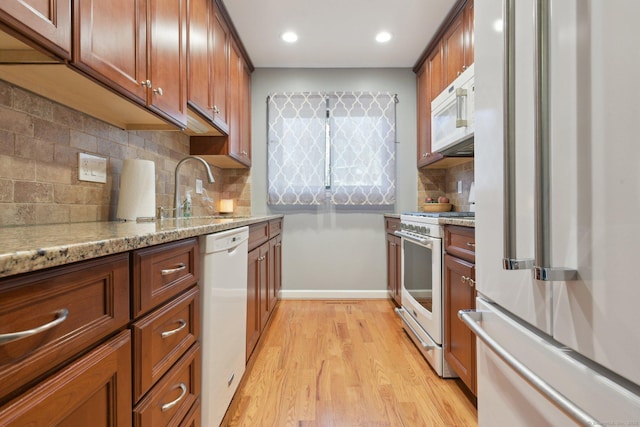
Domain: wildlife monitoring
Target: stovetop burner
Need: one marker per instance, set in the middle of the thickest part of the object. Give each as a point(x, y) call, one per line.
point(441, 214)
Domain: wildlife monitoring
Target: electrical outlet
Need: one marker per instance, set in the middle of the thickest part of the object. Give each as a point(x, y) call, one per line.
point(198, 186)
point(459, 187)
point(92, 168)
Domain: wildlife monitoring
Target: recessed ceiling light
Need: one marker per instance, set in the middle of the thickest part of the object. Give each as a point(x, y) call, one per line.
point(289, 37)
point(383, 37)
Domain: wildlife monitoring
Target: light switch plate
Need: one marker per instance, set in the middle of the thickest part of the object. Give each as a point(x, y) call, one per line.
point(92, 168)
point(459, 187)
point(198, 186)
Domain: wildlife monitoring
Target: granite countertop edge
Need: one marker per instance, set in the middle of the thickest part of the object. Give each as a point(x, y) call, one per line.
point(30, 248)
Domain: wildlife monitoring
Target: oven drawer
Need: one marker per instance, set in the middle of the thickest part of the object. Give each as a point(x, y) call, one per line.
point(460, 242)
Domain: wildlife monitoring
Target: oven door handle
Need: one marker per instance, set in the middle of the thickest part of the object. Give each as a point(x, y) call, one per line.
point(426, 346)
point(412, 238)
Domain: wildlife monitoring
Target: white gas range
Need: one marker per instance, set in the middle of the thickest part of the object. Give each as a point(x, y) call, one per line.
point(422, 306)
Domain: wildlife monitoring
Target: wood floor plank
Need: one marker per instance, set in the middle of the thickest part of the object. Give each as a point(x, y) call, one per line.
point(343, 363)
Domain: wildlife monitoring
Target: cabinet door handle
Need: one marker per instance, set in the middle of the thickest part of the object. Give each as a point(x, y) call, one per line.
point(463, 279)
point(145, 83)
point(471, 245)
point(167, 406)
point(471, 282)
point(61, 316)
point(182, 323)
point(159, 91)
point(168, 271)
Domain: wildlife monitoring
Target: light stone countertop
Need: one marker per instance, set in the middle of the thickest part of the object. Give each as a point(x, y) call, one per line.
point(464, 222)
point(34, 247)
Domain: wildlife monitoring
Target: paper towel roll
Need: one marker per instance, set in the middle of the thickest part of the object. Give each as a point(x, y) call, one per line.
point(137, 197)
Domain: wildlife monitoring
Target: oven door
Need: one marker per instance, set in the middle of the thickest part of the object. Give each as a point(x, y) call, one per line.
point(422, 282)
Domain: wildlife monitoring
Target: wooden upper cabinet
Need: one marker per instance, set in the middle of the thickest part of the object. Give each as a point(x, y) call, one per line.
point(117, 58)
point(468, 33)
point(437, 81)
point(48, 23)
point(245, 114)
point(423, 112)
point(144, 59)
point(453, 47)
point(198, 57)
point(220, 62)
point(167, 59)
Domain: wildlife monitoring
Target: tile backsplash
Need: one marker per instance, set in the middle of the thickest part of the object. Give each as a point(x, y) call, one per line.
point(444, 182)
point(39, 145)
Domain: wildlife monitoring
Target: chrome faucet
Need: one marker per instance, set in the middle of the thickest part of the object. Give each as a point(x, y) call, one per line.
point(177, 188)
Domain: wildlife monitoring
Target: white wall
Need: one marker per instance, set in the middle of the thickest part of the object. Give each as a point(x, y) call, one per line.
point(328, 252)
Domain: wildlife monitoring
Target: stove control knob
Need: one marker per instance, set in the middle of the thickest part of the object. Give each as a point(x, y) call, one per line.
point(423, 230)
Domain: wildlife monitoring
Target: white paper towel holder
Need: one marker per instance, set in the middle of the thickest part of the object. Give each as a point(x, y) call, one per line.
point(137, 197)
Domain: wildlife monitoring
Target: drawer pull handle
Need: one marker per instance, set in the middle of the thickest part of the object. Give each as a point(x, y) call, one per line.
point(173, 403)
point(176, 330)
point(61, 316)
point(168, 271)
point(472, 245)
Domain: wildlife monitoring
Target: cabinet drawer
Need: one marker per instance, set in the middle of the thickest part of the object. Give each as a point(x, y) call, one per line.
point(92, 391)
point(161, 337)
point(81, 303)
point(258, 234)
point(171, 398)
point(275, 227)
point(193, 418)
point(460, 242)
point(163, 271)
point(391, 224)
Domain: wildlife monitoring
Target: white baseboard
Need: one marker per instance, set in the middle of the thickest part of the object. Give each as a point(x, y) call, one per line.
point(333, 294)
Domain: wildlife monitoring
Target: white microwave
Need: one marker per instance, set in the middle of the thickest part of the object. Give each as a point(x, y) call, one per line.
point(452, 115)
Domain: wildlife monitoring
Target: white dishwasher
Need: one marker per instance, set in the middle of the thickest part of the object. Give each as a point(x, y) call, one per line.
point(224, 319)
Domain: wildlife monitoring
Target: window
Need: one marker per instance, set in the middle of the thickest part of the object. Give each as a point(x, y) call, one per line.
point(339, 145)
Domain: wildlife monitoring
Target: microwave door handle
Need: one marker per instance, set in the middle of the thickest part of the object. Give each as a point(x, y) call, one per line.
point(542, 262)
point(510, 260)
point(461, 103)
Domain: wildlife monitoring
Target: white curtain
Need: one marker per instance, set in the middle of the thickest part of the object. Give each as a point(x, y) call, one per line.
point(296, 148)
point(341, 142)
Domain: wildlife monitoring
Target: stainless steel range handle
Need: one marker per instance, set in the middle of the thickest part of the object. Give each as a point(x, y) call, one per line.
point(472, 319)
point(412, 237)
point(424, 345)
point(542, 262)
point(510, 260)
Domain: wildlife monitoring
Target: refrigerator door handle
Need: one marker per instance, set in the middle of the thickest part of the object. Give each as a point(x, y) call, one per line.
point(510, 260)
point(472, 319)
point(542, 262)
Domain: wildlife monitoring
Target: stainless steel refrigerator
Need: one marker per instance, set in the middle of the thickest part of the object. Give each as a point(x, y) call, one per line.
point(557, 182)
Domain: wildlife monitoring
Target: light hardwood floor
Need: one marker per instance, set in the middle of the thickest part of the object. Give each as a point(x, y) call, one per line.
point(343, 364)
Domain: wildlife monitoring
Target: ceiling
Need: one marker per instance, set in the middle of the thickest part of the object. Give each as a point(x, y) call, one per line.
point(336, 33)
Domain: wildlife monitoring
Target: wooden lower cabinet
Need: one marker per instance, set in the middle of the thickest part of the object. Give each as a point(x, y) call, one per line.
point(459, 341)
point(93, 391)
point(258, 295)
point(169, 401)
point(264, 278)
